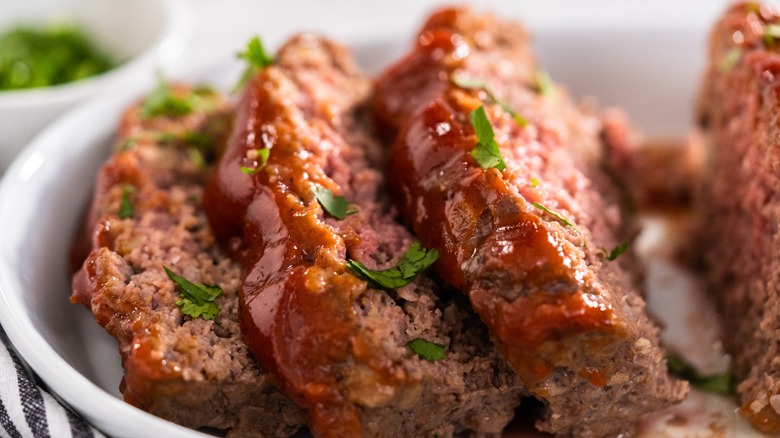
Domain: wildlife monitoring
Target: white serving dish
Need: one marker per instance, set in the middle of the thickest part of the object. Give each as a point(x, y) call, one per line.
point(647, 60)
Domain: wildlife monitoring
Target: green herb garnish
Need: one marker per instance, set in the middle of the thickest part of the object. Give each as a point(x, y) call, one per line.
point(476, 84)
point(544, 85)
point(426, 349)
point(336, 206)
point(263, 154)
point(163, 102)
point(486, 152)
point(722, 383)
point(771, 33)
point(616, 251)
point(730, 59)
point(416, 260)
point(560, 218)
point(257, 59)
point(126, 209)
point(127, 144)
point(534, 182)
point(196, 300)
point(32, 57)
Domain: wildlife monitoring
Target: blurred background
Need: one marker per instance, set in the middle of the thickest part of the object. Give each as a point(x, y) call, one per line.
point(643, 56)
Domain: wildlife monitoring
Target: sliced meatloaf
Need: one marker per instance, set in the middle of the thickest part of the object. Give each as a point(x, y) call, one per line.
point(529, 240)
point(146, 216)
point(739, 239)
point(337, 345)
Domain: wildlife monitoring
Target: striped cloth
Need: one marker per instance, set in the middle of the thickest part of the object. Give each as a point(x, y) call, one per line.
point(27, 410)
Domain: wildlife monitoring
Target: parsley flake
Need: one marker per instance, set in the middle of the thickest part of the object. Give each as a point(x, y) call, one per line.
point(730, 60)
point(426, 349)
point(722, 383)
point(560, 218)
point(416, 260)
point(336, 206)
point(543, 82)
point(616, 251)
point(486, 152)
point(534, 182)
point(263, 154)
point(477, 84)
point(126, 209)
point(164, 102)
point(771, 33)
point(196, 300)
point(256, 57)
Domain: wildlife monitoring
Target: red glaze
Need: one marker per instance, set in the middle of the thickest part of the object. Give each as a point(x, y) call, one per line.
point(296, 298)
point(524, 278)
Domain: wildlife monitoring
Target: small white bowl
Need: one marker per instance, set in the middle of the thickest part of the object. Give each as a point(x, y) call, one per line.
point(140, 35)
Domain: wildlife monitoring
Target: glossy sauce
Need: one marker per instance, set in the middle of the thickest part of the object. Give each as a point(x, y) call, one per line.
point(296, 298)
point(526, 282)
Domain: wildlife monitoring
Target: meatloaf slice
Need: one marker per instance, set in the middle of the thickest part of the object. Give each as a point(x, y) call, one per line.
point(739, 200)
point(527, 244)
point(146, 215)
point(337, 346)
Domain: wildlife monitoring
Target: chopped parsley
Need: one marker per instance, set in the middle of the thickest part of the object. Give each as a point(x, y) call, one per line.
point(263, 154)
point(416, 260)
point(560, 218)
point(126, 209)
point(476, 84)
point(544, 85)
point(616, 251)
point(771, 33)
point(164, 102)
point(486, 152)
point(196, 300)
point(722, 383)
point(197, 139)
point(127, 144)
point(730, 60)
point(336, 206)
point(257, 59)
point(534, 182)
point(35, 56)
point(426, 349)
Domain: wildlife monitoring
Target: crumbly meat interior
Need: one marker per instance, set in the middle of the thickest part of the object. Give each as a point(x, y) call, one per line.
point(527, 244)
point(349, 368)
point(738, 242)
point(195, 372)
